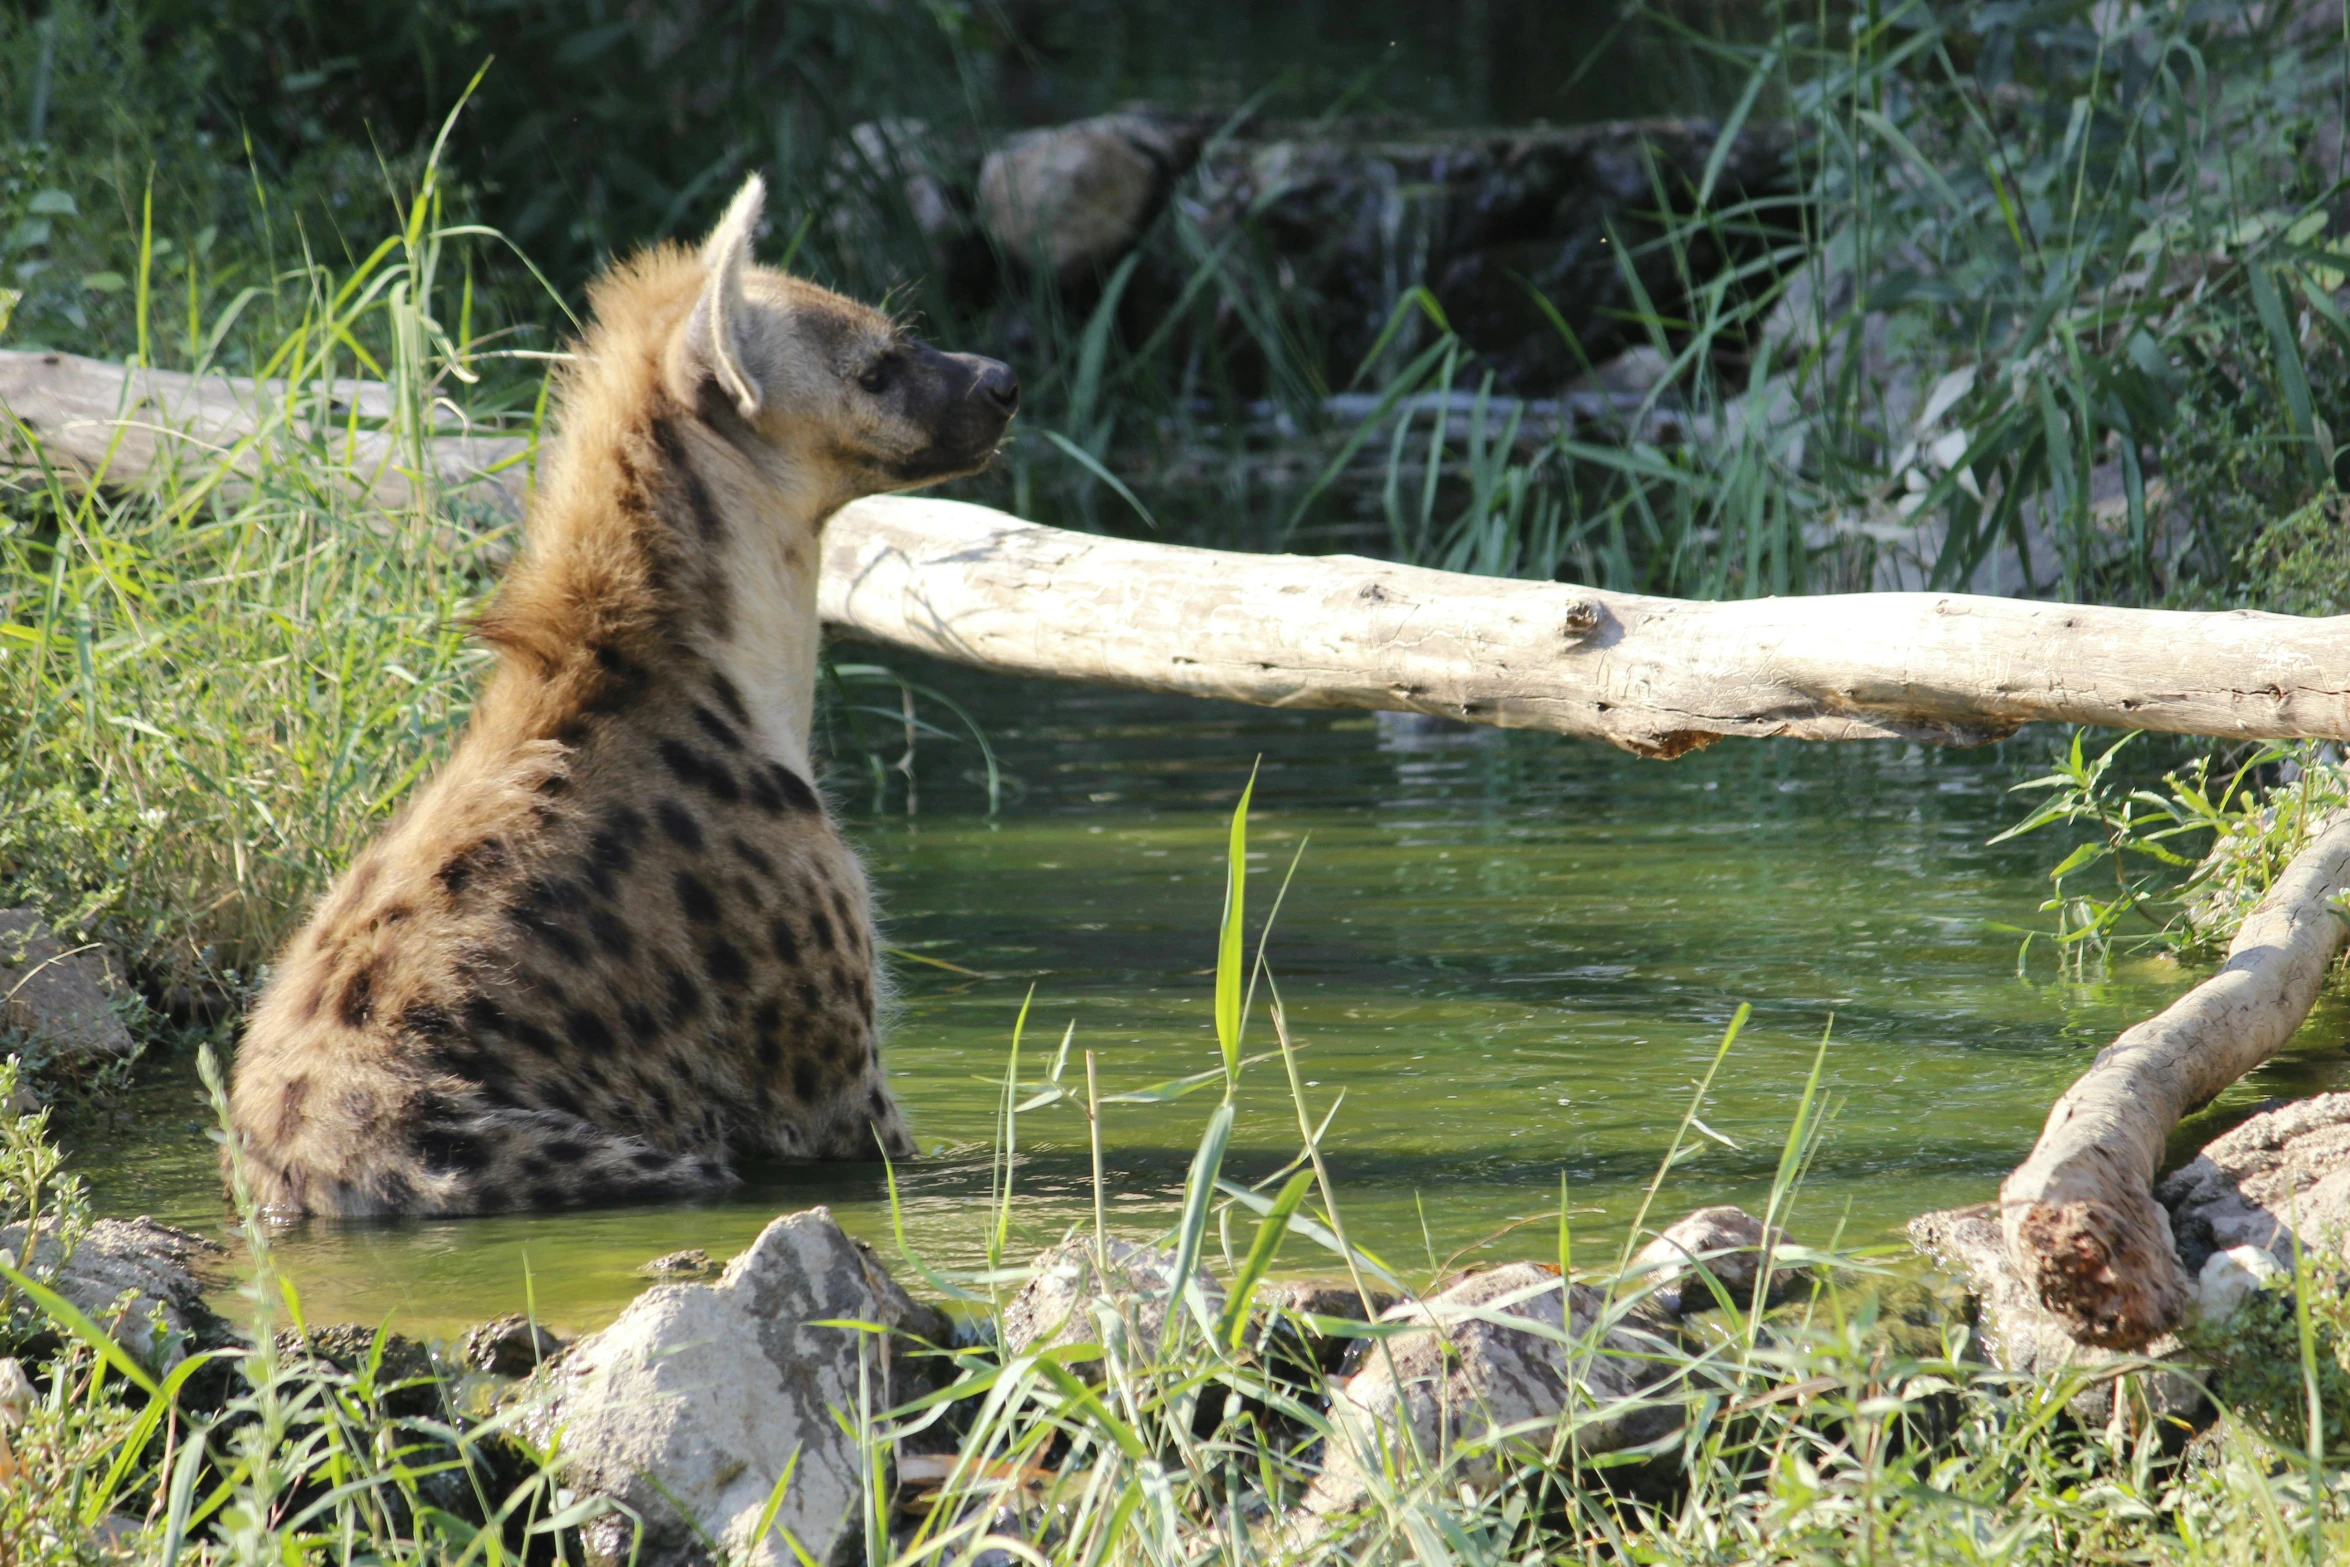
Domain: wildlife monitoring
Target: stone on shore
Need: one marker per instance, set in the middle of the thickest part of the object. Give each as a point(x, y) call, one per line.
point(1473, 1372)
point(1727, 1242)
point(133, 1277)
point(2016, 1335)
point(512, 1346)
point(1072, 1299)
point(688, 1407)
point(2286, 1168)
point(56, 992)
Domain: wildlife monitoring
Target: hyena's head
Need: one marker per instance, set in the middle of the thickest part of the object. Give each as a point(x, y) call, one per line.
point(835, 389)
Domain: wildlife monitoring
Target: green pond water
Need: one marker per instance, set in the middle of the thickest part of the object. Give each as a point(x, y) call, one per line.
point(1512, 954)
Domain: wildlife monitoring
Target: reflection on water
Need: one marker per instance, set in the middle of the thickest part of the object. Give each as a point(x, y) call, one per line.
point(1511, 954)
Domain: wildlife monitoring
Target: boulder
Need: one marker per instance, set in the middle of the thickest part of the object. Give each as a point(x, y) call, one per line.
point(1351, 217)
point(1729, 1242)
point(691, 1263)
point(1473, 1372)
point(56, 992)
point(1070, 200)
point(2015, 1334)
point(511, 1346)
point(405, 1378)
point(2287, 1167)
point(687, 1408)
point(1072, 1299)
point(133, 1277)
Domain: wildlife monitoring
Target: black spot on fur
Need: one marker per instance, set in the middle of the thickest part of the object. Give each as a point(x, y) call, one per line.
point(539, 914)
point(679, 824)
point(820, 930)
point(639, 1020)
point(718, 729)
point(810, 999)
point(428, 1024)
point(803, 1080)
point(786, 945)
point(878, 1103)
point(589, 1031)
point(359, 996)
point(610, 853)
point(690, 487)
point(566, 1150)
point(725, 962)
point(648, 1159)
point(775, 789)
point(470, 864)
point(620, 679)
point(558, 1096)
point(696, 899)
point(692, 767)
point(448, 1150)
point(751, 854)
point(611, 933)
point(685, 997)
point(729, 698)
point(289, 1107)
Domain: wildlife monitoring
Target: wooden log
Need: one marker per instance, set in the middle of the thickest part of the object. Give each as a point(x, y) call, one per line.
point(1656, 676)
point(2079, 1215)
point(86, 419)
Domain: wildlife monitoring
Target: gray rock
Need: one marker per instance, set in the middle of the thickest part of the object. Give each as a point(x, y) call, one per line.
point(686, 1409)
point(1729, 1242)
point(511, 1346)
point(1472, 1373)
point(1072, 199)
point(1072, 1300)
point(676, 1266)
point(2287, 1166)
point(16, 1395)
point(133, 1277)
point(57, 992)
point(2016, 1335)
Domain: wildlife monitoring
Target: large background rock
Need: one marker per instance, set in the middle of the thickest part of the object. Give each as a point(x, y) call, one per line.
point(1072, 1299)
point(688, 1406)
point(56, 991)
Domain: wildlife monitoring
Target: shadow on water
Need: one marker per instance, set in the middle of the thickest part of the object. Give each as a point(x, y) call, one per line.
point(1512, 953)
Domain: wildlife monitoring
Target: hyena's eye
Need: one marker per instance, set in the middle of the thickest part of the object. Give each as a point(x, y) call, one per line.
point(878, 374)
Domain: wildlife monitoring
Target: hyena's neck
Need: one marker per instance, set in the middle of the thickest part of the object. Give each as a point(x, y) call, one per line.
point(665, 542)
point(757, 622)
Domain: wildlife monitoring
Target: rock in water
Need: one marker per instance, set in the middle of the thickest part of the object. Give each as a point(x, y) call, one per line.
point(136, 1279)
point(56, 991)
point(1123, 1307)
point(1472, 1373)
point(687, 1408)
point(2251, 1186)
point(512, 1346)
point(1071, 199)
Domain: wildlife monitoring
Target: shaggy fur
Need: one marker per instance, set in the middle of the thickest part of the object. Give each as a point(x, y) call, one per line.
point(617, 940)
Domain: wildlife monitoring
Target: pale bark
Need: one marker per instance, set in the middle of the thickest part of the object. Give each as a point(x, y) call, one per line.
point(89, 420)
point(2079, 1214)
point(1653, 675)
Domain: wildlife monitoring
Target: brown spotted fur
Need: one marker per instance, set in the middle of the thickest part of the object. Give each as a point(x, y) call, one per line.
point(617, 941)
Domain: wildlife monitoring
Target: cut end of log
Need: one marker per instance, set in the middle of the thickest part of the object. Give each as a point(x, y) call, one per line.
point(2109, 1273)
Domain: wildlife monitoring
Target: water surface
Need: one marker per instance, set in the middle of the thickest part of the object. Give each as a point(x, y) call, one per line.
point(1512, 954)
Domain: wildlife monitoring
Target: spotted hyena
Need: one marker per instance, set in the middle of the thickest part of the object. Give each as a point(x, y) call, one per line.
point(617, 941)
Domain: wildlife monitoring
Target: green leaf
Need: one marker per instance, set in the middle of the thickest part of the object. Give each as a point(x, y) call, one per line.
point(1270, 1230)
point(53, 204)
point(1228, 957)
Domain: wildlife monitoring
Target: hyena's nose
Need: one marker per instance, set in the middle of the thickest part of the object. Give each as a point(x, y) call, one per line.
point(1000, 387)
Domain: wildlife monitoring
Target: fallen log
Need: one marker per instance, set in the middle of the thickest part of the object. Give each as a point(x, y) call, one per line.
point(1653, 675)
point(2079, 1216)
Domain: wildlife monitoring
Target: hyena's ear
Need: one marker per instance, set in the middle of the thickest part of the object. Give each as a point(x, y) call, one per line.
point(714, 332)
